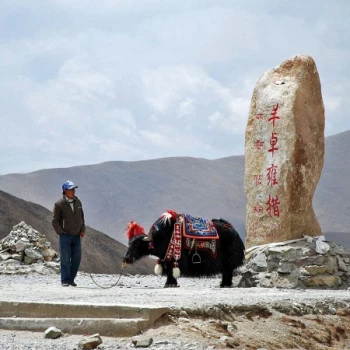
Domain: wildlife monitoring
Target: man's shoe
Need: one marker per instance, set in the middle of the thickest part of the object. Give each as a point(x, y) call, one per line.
point(65, 284)
point(73, 284)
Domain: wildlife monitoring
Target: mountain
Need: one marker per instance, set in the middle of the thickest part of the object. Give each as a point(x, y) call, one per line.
point(333, 191)
point(101, 253)
point(113, 193)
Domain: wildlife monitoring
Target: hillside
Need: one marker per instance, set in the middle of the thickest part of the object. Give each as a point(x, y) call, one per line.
point(331, 200)
point(113, 193)
point(101, 253)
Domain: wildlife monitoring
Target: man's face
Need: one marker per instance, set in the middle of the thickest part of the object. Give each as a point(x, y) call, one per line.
point(70, 193)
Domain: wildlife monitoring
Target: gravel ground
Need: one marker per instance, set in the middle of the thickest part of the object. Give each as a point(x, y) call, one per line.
point(148, 290)
point(184, 329)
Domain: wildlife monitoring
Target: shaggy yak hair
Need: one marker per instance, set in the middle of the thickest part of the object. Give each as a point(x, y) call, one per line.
point(229, 255)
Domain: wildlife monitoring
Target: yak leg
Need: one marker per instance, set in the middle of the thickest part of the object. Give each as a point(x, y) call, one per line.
point(226, 281)
point(171, 281)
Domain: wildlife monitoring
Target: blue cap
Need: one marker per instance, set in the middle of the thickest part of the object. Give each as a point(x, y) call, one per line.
point(68, 185)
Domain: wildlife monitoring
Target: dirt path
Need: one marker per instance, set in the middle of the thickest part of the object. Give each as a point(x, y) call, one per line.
point(202, 317)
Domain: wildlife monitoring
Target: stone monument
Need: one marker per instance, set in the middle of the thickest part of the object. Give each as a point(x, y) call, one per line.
point(284, 153)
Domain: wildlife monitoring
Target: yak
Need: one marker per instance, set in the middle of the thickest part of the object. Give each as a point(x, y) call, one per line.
point(217, 248)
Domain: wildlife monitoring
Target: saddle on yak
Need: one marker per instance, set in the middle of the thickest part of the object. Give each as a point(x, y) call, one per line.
point(196, 233)
point(198, 228)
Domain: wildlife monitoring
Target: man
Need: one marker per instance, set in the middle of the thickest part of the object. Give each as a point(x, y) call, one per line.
point(69, 223)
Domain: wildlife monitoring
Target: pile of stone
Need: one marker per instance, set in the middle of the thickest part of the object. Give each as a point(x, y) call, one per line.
point(310, 262)
point(25, 250)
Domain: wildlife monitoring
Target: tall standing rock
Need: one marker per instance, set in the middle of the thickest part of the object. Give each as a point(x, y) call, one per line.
point(284, 153)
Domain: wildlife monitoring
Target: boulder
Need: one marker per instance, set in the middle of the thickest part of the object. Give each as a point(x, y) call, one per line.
point(295, 264)
point(284, 153)
point(53, 333)
point(91, 342)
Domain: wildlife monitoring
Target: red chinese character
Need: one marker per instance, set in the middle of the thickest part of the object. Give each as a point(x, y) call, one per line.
point(274, 115)
point(259, 116)
point(273, 143)
point(258, 144)
point(272, 206)
point(258, 209)
point(272, 175)
point(258, 179)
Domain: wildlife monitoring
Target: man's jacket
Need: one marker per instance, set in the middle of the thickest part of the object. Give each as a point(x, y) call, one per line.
point(66, 220)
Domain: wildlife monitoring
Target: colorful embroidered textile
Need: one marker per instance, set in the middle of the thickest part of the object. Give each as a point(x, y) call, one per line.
point(199, 235)
point(199, 228)
point(209, 245)
point(174, 248)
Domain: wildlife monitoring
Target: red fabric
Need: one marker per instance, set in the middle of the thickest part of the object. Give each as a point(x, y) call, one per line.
point(173, 214)
point(134, 229)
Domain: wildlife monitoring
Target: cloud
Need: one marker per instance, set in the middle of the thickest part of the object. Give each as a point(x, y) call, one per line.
point(201, 107)
point(130, 79)
point(337, 104)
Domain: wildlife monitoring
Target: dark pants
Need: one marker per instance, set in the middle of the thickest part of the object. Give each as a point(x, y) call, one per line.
point(70, 254)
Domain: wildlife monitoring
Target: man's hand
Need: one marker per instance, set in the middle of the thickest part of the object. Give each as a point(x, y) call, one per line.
point(82, 234)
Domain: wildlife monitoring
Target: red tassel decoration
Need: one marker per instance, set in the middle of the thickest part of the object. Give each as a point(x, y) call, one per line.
point(134, 229)
point(172, 213)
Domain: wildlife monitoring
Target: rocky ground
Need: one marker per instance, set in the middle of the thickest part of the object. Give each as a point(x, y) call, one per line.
point(202, 317)
point(254, 329)
point(293, 295)
point(276, 331)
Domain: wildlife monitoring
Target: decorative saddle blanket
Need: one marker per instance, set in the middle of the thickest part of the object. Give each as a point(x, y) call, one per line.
point(199, 228)
point(199, 235)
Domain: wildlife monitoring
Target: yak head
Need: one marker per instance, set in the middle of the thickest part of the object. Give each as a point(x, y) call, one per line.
point(138, 247)
point(155, 243)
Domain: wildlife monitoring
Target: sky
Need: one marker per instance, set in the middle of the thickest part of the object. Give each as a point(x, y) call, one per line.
point(88, 81)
